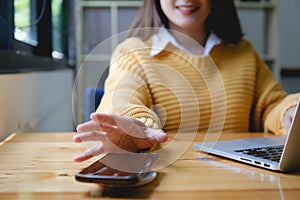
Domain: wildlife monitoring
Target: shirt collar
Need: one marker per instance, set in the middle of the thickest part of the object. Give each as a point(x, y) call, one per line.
point(161, 39)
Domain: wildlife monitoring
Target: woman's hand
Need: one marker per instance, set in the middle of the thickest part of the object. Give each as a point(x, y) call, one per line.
point(288, 118)
point(116, 133)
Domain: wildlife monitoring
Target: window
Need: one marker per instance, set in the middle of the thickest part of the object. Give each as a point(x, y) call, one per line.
point(34, 32)
point(25, 21)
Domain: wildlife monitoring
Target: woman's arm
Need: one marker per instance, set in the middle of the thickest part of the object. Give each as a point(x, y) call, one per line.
point(124, 121)
point(272, 102)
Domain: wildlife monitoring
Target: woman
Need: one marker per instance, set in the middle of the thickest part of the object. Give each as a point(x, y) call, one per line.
point(161, 80)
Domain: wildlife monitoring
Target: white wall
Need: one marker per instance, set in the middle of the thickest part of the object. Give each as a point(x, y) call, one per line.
point(36, 102)
point(290, 33)
point(253, 26)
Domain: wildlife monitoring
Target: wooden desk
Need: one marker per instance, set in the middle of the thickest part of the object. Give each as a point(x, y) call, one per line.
point(36, 166)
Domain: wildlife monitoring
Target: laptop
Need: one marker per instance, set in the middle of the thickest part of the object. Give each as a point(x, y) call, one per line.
point(279, 153)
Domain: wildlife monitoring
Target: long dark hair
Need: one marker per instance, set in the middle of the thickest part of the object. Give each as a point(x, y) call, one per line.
point(223, 20)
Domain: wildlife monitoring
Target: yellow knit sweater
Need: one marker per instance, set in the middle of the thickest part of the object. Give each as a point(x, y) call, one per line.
point(231, 90)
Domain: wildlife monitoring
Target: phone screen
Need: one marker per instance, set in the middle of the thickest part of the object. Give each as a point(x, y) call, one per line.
point(118, 169)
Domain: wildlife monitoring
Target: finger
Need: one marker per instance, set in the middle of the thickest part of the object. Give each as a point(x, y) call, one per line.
point(88, 127)
point(128, 125)
point(104, 118)
point(156, 135)
point(95, 151)
point(286, 123)
point(114, 120)
point(90, 136)
point(293, 111)
point(161, 137)
point(288, 118)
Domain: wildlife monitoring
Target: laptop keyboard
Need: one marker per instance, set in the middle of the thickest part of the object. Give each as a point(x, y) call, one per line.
point(272, 153)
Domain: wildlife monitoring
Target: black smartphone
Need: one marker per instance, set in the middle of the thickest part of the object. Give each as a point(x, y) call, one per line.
point(120, 170)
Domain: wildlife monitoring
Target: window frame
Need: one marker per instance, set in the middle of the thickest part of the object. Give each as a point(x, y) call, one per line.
point(6, 24)
point(19, 56)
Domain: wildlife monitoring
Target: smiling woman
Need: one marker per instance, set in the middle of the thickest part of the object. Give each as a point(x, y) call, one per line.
point(157, 85)
point(188, 17)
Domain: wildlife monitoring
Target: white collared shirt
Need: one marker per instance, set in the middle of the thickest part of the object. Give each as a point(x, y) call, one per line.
point(163, 37)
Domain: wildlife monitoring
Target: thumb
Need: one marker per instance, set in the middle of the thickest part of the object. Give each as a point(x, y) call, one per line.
point(161, 136)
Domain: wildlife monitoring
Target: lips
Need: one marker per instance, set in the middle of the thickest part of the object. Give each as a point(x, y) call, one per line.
point(187, 9)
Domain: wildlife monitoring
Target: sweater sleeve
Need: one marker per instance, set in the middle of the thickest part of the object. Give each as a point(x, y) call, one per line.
point(271, 101)
point(274, 120)
point(126, 89)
